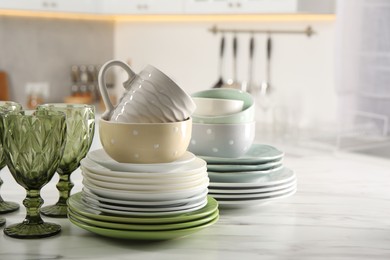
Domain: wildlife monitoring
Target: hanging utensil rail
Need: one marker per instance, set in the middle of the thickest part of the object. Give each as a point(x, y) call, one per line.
point(308, 31)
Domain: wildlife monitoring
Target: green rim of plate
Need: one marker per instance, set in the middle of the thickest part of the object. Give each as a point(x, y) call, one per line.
point(238, 168)
point(74, 203)
point(257, 154)
point(142, 235)
point(142, 227)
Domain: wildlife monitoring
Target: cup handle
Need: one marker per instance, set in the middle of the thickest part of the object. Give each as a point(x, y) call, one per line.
point(102, 83)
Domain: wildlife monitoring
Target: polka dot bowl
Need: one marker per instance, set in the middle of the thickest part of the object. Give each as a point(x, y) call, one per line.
point(247, 114)
point(145, 142)
point(222, 140)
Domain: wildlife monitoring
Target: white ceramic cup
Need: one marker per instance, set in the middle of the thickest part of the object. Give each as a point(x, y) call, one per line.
point(150, 97)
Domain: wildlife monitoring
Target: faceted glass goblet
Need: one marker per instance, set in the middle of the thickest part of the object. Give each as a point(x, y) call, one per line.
point(80, 120)
point(33, 143)
point(7, 206)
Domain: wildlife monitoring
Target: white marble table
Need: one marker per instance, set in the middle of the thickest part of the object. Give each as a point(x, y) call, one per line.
point(341, 211)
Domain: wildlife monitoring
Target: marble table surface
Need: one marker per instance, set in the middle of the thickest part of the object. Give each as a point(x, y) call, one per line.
point(340, 211)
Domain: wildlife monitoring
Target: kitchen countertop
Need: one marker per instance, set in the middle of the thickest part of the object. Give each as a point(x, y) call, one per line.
point(340, 211)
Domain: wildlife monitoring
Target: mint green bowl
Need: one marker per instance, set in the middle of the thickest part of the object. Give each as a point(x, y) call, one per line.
point(246, 115)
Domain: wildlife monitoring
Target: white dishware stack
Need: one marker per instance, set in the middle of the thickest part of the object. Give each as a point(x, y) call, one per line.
point(143, 201)
point(144, 184)
point(242, 173)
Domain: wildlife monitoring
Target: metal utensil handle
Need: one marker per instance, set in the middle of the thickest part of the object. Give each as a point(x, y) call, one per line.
point(250, 66)
point(222, 46)
point(269, 52)
point(269, 47)
point(251, 46)
point(221, 50)
point(235, 57)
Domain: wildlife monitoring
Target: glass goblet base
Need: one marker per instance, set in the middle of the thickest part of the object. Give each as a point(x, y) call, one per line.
point(2, 221)
point(55, 211)
point(23, 230)
point(7, 207)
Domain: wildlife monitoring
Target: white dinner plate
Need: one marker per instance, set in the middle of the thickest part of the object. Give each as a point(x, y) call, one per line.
point(245, 167)
point(148, 181)
point(257, 195)
point(279, 177)
point(146, 195)
point(147, 204)
point(139, 214)
point(101, 157)
point(158, 187)
point(258, 153)
point(101, 204)
point(253, 190)
point(243, 177)
point(239, 203)
point(190, 168)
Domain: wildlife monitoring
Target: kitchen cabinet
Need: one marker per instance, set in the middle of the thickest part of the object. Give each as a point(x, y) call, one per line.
point(258, 6)
point(213, 6)
point(139, 7)
point(66, 6)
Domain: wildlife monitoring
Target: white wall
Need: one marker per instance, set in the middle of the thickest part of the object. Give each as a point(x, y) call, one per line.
point(302, 67)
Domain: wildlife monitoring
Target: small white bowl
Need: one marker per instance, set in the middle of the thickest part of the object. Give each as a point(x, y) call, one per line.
point(217, 106)
point(246, 114)
point(222, 140)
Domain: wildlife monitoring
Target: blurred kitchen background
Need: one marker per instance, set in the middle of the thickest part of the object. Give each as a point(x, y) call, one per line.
point(328, 66)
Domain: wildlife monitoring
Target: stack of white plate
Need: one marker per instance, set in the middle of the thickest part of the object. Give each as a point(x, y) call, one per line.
point(255, 178)
point(121, 199)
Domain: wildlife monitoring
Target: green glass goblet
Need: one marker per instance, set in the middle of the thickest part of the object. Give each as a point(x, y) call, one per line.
point(7, 206)
point(33, 143)
point(80, 120)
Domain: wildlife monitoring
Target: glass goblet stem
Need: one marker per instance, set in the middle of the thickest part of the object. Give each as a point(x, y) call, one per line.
point(33, 202)
point(64, 186)
point(32, 226)
point(60, 209)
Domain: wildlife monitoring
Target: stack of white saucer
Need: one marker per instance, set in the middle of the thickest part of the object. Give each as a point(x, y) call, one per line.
point(182, 180)
point(143, 201)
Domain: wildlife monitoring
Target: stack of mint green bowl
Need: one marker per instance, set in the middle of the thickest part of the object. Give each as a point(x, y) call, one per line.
point(228, 135)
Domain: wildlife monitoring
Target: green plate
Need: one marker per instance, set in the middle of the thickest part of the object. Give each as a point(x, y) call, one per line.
point(256, 177)
point(257, 154)
point(264, 168)
point(74, 203)
point(142, 235)
point(250, 181)
point(142, 227)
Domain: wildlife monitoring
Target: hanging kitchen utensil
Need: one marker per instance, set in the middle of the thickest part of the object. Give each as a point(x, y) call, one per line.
point(266, 87)
point(219, 83)
point(249, 84)
point(233, 83)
